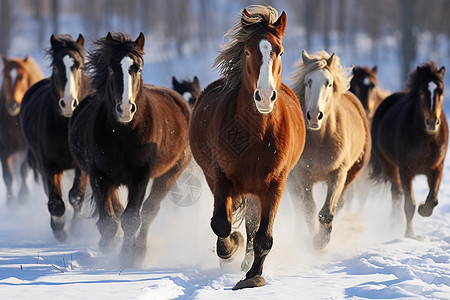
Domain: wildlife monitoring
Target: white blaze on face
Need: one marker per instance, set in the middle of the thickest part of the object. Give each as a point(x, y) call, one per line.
point(432, 87)
point(366, 81)
point(127, 94)
point(70, 92)
point(265, 85)
point(13, 74)
point(187, 96)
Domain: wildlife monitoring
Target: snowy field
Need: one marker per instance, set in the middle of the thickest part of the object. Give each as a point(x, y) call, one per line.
point(367, 258)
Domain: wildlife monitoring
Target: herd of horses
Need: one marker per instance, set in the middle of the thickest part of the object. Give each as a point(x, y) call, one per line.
point(249, 132)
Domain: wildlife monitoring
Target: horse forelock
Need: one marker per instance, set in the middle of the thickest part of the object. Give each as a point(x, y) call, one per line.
point(317, 61)
point(423, 73)
point(65, 45)
point(100, 59)
point(230, 61)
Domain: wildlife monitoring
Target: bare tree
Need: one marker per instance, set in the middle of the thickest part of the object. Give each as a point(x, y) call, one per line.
point(408, 44)
point(5, 25)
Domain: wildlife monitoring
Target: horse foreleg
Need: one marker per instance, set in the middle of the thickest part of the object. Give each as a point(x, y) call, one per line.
point(434, 181)
point(252, 215)
point(56, 205)
point(76, 196)
point(7, 177)
point(107, 222)
point(222, 216)
point(263, 241)
point(336, 184)
point(410, 203)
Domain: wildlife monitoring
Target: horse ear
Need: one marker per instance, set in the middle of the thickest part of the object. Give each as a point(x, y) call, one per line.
point(26, 58)
point(80, 40)
point(331, 60)
point(175, 82)
point(305, 56)
point(196, 81)
point(375, 69)
point(140, 41)
point(109, 39)
point(441, 72)
point(280, 24)
point(4, 59)
point(53, 41)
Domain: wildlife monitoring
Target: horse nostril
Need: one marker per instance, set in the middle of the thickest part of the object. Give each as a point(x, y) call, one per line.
point(308, 116)
point(437, 121)
point(320, 117)
point(274, 96)
point(133, 108)
point(119, 108)
point(62, 103)
point(74, 103)
point(257, 96)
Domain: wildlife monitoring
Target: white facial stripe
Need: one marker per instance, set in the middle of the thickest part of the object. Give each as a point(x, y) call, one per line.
point(187, 96)
point(127, 96)
point(366, 81)
point(265, 80)
point(13, 74)
point(70, 92)
point(432, 88)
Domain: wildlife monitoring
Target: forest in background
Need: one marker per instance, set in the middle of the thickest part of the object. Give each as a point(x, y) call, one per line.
point(188, 25)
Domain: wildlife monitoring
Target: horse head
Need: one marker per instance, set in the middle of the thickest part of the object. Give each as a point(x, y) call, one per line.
point(362, 85)
point(67, 76)
point(432, 98)
point(262, 66)
point(189, 89)
point(16, 80)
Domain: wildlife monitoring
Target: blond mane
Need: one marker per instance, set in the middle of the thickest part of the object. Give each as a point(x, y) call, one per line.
point(318, 60)
point(230, 61)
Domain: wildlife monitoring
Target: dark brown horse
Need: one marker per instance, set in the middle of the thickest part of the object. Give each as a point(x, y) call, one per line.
point(18, 75)
point(337, 138)
point(189, 89)
point(124, 133)
point(247, 133)
point(364, 85)
point(410, 136)
point(46, 109)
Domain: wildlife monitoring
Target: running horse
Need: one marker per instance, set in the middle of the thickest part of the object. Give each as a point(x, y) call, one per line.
point(46, 109)
point(364, 85)
point(125, 133)
point(410, 136)
point(247, 132)
point(337, 138)
point(189, 89)
point(18, 75)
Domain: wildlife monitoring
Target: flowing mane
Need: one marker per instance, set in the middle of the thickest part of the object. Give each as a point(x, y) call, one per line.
point(230, 60)
point(99, 59)
point(318, 60)
point(426, 70)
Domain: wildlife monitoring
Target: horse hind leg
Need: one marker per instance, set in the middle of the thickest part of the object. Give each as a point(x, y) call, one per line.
point(434, 181)
point(76, 198)
point(8, 177)
point(56, 205)
point(409, 205)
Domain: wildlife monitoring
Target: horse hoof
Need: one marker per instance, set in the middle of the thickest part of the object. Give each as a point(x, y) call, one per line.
point(321, 241)
point(255, 281)
point(325, 219)
point(221, 225)
point(425, 211)
point(60, 235)
point(106, 244)
point(226, 247)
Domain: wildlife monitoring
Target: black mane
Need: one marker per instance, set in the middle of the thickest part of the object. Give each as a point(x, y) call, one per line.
point(66, 43)
point(426, 71)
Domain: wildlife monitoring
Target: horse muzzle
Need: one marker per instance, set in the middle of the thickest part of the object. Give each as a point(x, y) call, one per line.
point(432, 125)
point(314, 119)
point(265, 100)
point(67, 106)
point(13, 108)
point(125, 113)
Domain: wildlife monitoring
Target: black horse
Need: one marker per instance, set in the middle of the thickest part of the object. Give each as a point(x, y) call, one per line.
point(46, 109)
point(189, 89)
point(124, 133)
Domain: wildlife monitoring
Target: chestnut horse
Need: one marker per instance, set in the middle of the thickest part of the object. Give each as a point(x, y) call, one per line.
point(46, 109)
point(337, 138)
point(124, 133)
point(364, 85)
point(189, 89)
point(410, 136)
point(247, 133)
point(18, 75)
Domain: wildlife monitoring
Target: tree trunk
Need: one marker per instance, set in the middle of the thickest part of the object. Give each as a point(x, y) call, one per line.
point(408, 36)
point(5, 25)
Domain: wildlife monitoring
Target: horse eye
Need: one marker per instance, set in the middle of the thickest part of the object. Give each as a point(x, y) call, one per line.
point(139, 70)
point(111, 72)
point(281, 53)
point(247, 53)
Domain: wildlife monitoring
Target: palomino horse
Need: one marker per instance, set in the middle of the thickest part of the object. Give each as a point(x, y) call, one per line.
point(18, 75)
point(46, 109)
point(410, 135)
point(124, 133)
point(189, 89)
point(247, 133)
point(337, 138)
point(364, 85)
